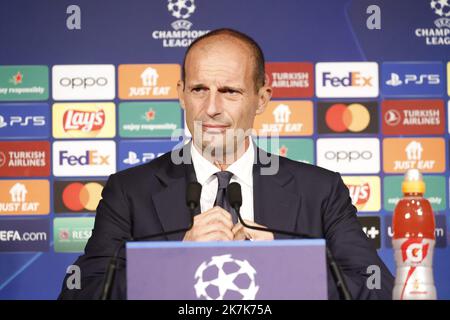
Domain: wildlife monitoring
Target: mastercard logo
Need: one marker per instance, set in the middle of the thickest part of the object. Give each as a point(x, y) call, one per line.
point(342, 117)
point(79, 196)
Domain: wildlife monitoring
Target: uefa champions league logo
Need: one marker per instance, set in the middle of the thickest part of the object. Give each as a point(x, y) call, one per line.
point(181, 9)
point(441, 7)
point(223, 277)
point(182, 33)
point(437, 36)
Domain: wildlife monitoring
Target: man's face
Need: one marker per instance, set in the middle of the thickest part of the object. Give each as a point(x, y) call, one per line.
point(219, 94)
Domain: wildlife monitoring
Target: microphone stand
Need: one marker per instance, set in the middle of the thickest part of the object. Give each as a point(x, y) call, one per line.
point(193, 200)
point(235, 199)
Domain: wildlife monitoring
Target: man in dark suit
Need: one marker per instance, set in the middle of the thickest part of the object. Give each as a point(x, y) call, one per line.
point(222, 89)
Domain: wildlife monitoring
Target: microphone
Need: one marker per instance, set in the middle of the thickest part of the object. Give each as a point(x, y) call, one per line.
point(235, 198)
point(193, 192)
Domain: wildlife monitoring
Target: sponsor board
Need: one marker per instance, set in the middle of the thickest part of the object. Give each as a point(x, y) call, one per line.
point(24, 197)
point(84, 120)
point(84, 158)
point(349, 155)
point(24, 158)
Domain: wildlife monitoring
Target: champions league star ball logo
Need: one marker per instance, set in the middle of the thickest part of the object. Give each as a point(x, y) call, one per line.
point(441, 7)
point(182, 33)
point(181, 9)
point(441, 34)
point(226, 278)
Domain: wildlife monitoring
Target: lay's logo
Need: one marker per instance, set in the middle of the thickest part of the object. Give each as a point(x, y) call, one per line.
point(364, 192)
point(84, 120)
point(359, 193)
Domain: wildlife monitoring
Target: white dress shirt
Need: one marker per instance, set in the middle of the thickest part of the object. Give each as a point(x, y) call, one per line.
point(242, 170)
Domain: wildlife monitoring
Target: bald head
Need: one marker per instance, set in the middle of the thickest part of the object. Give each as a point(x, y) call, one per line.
point(218, 39)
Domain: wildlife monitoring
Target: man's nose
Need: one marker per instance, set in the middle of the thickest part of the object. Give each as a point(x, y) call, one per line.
point(213, 104)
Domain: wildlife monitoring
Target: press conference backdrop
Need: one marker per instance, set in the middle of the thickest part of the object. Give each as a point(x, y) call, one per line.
point(87, 88)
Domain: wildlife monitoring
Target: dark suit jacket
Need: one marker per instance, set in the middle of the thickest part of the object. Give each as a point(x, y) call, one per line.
point(150, 199)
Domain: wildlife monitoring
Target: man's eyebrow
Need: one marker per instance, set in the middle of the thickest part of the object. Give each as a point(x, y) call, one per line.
point(197, 85)
point(231, 88)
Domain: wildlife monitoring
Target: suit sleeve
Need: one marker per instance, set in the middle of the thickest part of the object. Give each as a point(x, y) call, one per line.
point(112, 226)
point(351, 248)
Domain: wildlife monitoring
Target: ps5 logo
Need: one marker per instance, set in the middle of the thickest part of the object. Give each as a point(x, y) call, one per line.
point(414, 79)
point(133, 159)
point(22, 121)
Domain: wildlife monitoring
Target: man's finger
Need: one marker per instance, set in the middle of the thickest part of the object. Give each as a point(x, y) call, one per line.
point(215, 214)
point(216, 226)
point(217, 235)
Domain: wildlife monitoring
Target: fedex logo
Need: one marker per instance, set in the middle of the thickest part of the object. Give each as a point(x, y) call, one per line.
point(346, 79)
point(79, 158)
point(353, 79)
point(91, 157)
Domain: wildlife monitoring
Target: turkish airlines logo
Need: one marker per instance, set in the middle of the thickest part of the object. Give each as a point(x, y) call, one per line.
point(24, 158)
point(413, 117)
point(392, 117)
point(291, 79)
point(83, 120)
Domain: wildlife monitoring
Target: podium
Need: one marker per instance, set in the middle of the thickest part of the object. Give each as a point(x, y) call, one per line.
point(237, 270)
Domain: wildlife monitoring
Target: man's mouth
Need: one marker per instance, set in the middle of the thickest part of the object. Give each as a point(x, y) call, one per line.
point(214, 128)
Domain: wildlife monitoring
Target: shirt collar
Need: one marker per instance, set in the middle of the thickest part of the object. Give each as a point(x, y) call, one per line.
point(242, 168)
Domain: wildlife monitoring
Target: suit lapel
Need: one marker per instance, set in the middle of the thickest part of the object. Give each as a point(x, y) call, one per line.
point(276, 202)
point(170, 203)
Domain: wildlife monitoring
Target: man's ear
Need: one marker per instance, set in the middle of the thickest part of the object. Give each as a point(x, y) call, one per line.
point(264, 96)
point(180, 91)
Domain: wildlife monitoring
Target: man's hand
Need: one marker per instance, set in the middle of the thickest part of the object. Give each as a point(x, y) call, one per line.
point(212, 225)
point(242, 233)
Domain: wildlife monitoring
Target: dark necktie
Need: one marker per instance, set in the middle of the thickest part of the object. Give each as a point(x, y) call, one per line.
point(223, 179)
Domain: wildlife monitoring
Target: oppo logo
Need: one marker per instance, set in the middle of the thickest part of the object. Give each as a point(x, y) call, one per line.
point(348, 155)
point(83, 82)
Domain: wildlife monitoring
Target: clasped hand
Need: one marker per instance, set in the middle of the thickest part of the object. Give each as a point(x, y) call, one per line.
point(216, 224)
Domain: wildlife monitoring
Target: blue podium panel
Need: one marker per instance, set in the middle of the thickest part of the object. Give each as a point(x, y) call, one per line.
point(247, 270)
